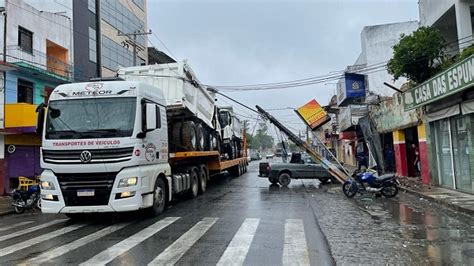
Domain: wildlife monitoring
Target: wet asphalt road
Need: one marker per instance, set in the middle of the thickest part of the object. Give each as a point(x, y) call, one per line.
point(245, 220)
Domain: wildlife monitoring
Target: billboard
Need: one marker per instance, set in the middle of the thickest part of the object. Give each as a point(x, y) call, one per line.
point(350, 88)
point(313, 114)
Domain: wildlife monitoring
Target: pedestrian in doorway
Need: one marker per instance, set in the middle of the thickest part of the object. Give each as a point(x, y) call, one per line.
point(416, 163)
point(361, 159)
point(389, 159)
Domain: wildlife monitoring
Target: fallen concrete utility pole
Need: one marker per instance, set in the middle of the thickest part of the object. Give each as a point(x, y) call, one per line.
point(332, 168)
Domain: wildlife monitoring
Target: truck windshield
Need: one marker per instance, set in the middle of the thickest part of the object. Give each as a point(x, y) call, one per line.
point(90, 118)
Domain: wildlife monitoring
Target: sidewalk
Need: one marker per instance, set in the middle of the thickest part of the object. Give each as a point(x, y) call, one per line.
point(5, 207)
point(459, 201)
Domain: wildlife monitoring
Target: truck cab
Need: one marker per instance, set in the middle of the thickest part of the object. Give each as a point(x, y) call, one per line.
point(104, 148)
point(231, 130)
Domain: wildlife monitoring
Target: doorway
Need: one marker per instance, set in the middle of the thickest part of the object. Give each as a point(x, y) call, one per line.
point(411, 139)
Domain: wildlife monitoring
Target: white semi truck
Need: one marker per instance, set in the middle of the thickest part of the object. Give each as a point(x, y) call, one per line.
point(106, 148)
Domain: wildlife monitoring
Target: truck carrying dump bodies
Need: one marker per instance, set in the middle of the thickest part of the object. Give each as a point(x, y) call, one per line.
point(106, 148)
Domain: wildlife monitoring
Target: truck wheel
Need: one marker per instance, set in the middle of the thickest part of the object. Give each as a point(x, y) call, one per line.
point(200, 138)
point(213, 143)
point(188, 136)
point(234, 171)
point(203, 177)
point(194, 190)
point(160, 195)
point(284, 179)
point(176, 135)
point(230, 150)
point(234, 150)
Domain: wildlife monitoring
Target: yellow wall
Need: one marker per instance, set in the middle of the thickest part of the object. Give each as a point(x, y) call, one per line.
point(398, 136)
point(20, 115)
point(421, 132)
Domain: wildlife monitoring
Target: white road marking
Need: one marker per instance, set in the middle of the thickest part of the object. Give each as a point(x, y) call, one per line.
point(14, 226)
point(118, 249)
point(59, 251)
point(295, 250)
point(13, 248)
point(175, 251)
point(31, 229)
point(236, 251)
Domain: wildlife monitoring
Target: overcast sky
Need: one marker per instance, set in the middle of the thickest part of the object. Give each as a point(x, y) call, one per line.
point(262, 41)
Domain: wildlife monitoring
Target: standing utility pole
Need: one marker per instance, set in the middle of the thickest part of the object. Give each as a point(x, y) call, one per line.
point(132, 40)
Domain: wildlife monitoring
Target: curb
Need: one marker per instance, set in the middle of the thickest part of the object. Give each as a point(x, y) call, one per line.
point(439, 201)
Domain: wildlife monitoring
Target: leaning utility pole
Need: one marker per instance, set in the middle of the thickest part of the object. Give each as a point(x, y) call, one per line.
point(132, 40)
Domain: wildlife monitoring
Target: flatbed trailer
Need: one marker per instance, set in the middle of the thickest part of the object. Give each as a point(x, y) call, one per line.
point(211, 159)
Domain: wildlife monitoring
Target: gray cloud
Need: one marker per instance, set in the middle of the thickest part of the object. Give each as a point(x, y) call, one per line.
point(249, 42)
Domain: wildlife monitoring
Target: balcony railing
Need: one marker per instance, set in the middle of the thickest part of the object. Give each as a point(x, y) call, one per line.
point(40, 60)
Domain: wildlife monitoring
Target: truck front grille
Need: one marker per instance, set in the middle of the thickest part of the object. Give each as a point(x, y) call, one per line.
point(97, 156)
point(100, 183)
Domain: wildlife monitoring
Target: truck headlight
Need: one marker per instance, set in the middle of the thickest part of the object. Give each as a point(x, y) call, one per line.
point(47, 185)
point(128, 181)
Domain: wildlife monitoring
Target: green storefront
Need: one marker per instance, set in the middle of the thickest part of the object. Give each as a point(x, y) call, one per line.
point(447, 101)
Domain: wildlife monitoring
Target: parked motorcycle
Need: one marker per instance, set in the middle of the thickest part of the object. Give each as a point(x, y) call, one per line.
point(26, 199)
point(368, 181)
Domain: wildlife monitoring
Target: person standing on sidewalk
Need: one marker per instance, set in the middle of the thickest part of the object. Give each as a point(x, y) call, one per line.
point(361, 159)
point(416, 163)
point(389, 159)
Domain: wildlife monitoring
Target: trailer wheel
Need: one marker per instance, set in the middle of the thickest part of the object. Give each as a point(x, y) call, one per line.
point(176, 134)
point(160, 195)
point(194, 190)
point(200, 138)
point(203, 177)
point(188, 135)
point(234, 171)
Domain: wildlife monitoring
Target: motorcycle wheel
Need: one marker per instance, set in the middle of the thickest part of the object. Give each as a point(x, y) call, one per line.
point(349, 189)
point(38, 204)
point(390, 191)
point(19, 210)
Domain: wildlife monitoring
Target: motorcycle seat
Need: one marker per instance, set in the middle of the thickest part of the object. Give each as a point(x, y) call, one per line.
point(385, 177)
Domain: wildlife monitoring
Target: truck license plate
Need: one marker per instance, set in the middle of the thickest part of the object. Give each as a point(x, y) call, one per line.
point(85, 193)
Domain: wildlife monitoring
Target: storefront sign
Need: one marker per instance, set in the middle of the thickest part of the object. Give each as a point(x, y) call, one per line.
point(350, 88)
point(313, 114)
point(457, 78)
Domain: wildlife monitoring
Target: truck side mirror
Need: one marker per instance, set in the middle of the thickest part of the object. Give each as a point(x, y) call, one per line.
point(40, 110)
point(150, 110)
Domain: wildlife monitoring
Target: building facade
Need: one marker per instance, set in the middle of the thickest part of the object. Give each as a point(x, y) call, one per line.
point(114, 50)
point(448, 105)
point(376, 49)
point(39, 49)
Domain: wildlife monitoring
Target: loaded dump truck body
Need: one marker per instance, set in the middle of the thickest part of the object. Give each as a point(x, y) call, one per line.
point(191, 111)
point(106, 149)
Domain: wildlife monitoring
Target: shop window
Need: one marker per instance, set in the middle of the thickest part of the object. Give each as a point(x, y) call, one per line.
point(25, 91)
point(25, 40)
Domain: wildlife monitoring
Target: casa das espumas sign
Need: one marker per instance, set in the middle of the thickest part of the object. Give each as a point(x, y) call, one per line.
point(458, 77)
